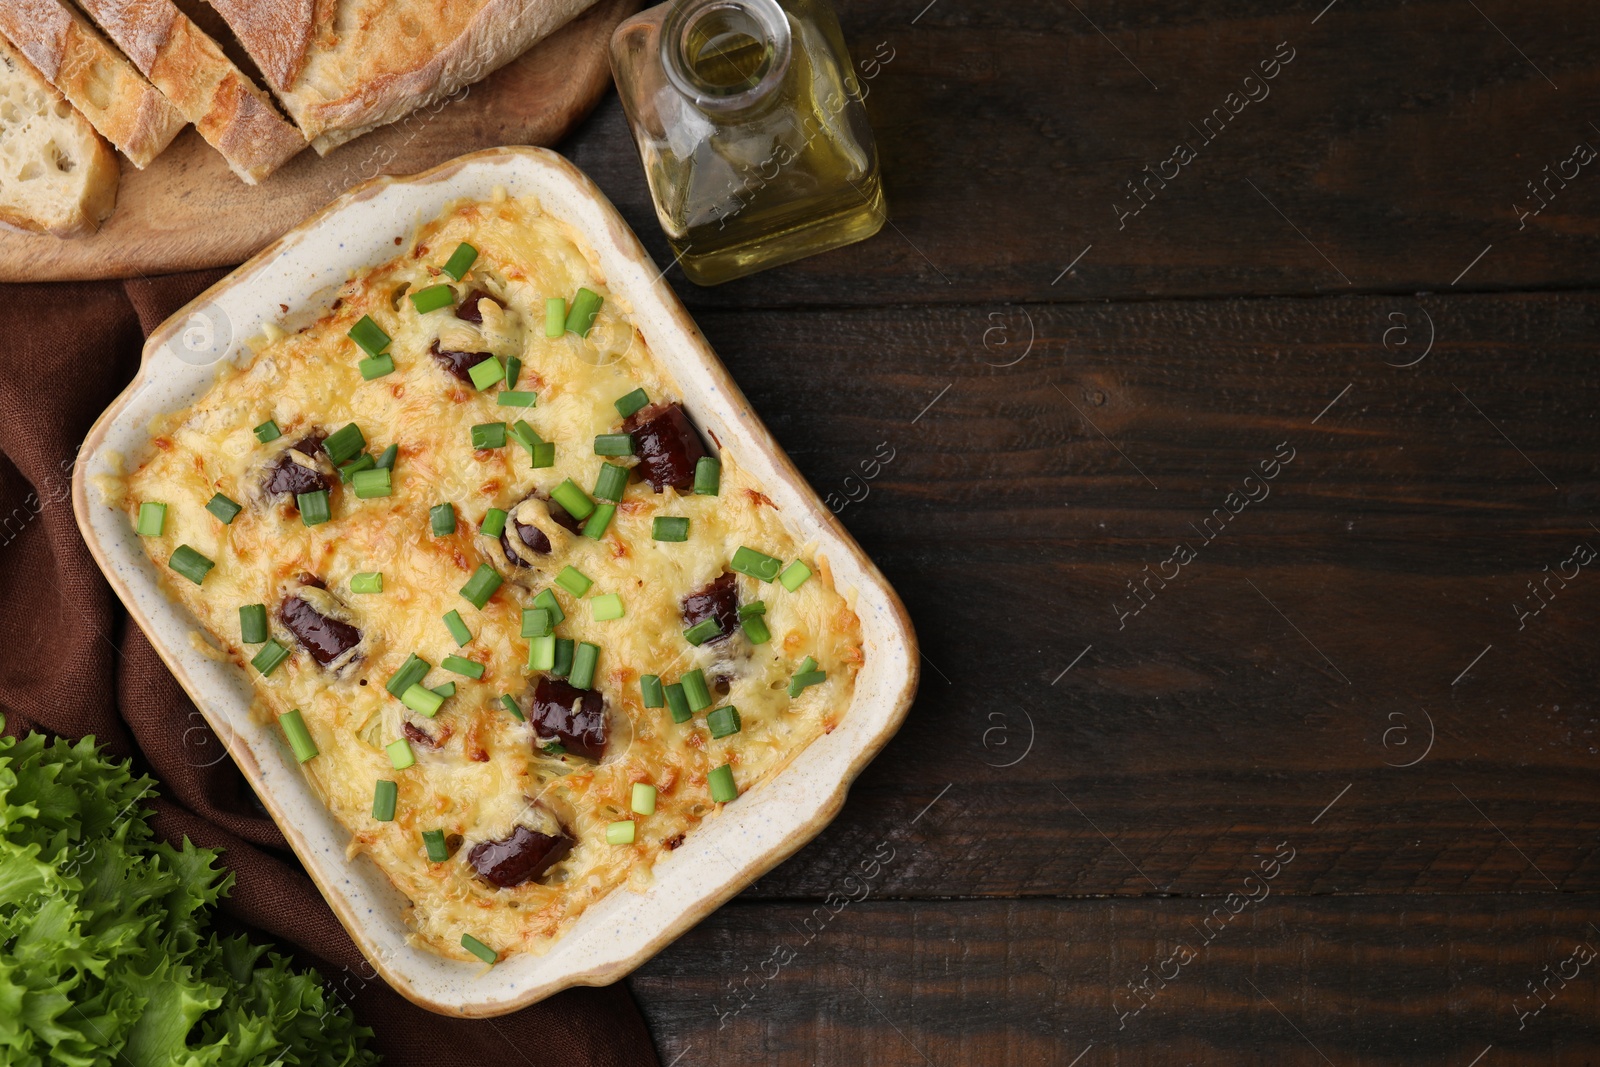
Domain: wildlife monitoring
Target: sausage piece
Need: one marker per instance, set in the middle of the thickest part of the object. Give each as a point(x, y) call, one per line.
point(575, 717)
point(522, 857)
point(288, 475)
point(667, 444)
point(468, 311)
point(305, 614)
point(718, 600)
point(531, 536)
point(459, 364)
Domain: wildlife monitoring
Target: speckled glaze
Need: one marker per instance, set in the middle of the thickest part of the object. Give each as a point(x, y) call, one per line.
point(729, 850)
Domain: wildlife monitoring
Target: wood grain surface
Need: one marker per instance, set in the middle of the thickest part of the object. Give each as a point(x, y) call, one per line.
point(186, 210)
point(1349, 665)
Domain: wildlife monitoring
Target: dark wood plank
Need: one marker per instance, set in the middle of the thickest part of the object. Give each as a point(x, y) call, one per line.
point(1344, 980)
point(1009, 133)
point(1304, 650)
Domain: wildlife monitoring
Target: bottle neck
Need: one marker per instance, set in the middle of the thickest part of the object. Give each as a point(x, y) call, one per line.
point(726, 55)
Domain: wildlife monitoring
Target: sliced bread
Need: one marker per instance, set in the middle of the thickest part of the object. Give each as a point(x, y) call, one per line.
point(64, 47)
point(235, 117)
point(56, 175)
point(341, 69)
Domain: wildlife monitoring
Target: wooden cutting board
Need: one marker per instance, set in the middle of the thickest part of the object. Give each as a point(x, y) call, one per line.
point(187, 210)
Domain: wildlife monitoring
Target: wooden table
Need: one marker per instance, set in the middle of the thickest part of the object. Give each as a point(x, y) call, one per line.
point(1242, 734)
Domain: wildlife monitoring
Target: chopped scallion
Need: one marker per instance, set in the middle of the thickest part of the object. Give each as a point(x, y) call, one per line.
point(555, 316)
point(620, 832)
point(442, 519)
point(252, 623)
point(724, 721)
point(447, 690)
point(489, 435)
point(755, 629)
point(542, 653)
point(694, 688)
point(412, 671)
point(433, 842)
point(271, 655)
point(189, 563)
point(369, 335)
point(367, 582)
point(494, 522)
point(294, 728)
point(543, 455)
point(669, 528)
point(384, 796)
point(476, 947)
point(585, 306)
point(372, 483)
point(613, 444)
point(509, 702)
point(481, 586)
point(267, 432)
point(650, 690)
point(467, 668)
point(516, 399)
point(722, 786)
point(433, 298)
point(422, 701)
point(643, 800)
point(702, 631)
point(755, 607)
point(610, 482)
point(487, 373)
point(573, 581)
point(595, 528)
point(461, 261)
point(386, 461)
point(523, 434)
point(628, 404)
point(584, 658)
point(562, 662)
point(794, 576)
point(535, 622)
point(575, 500)
point(707, 476)
point(400, 754)
point(363, 462)
point(547, 600)
point(314, 509)
point(376, 367)
point(513, 372)
point(756, 564)
point(606, 608)
point(804, 680)
point(677, 702)
point(152, 519)
point(458, 628)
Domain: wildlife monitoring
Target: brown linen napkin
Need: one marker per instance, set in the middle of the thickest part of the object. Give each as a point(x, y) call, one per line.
point(71, 664)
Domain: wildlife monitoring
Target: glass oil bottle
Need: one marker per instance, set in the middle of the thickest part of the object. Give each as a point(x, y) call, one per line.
point(749, 120)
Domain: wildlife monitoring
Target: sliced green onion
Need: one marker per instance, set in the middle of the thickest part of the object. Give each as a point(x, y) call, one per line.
point(807, 664)
point(702, 631)
point(294, 728)
point(595, 528)
point(613, 444)
point(412, 671)
point(367, 582)
point(461, 261)
point(553, 748)
point(386, 461)
point(650, 689)
point(481, 586)
point(721, 782)
point(487, 373)
point(643, 801)
point(562, 663)
point(543, 455)
point(694, 688)
point(373, 483)
point(422, 701)
point(555, 316)
point(794, 576)
point(433, 298)
point(628, 404)
point(707, 476)
point(575, 500)
point(755, 607)
point(610, 482)
point(467, 668)
point(584, 659)
point(252, 623)
point(442, 519)
point(509, 702)
point(189, 563)
point(384, 795)
point(447, 690)
point(433, 841)
point(345, 443)
point(494, 522)
point(585, 306)
point(606, 608)
point(756, 564)
point(620, 833)
point(376, 367)
point(458, 628)
point(805, 680)
point(363, 462)
point(535, 622)
point(271, 655)
point(314, 509)
point(755, 629)
point(152, 519)
point(677, 702)
point(724, 721)
point(508, 398)
point(513, 372)
point(489, 435)
point(468, 942)
point(547, 600)
point(573, 581)
point(542, 653)
point(524, 435)
point(400, 754)
point(669, 528)
point(268, 432)
point(369, 335)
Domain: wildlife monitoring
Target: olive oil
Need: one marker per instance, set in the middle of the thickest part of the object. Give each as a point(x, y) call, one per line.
point(750, 125)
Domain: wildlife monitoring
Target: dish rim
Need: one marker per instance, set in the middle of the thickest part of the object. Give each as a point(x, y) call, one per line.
point(900, 638)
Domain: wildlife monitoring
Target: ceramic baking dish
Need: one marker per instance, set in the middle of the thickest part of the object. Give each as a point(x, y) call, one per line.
point(290, 283)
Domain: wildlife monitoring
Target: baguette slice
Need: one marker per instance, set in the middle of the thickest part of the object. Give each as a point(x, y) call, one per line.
point(342, 68)
point(235, 117)
point(125, 108)
point(56, 175)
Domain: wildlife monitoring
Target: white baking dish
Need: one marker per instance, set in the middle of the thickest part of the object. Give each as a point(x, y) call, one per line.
point(289, 283)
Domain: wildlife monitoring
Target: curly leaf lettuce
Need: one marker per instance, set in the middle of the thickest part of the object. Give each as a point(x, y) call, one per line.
point(105, 953)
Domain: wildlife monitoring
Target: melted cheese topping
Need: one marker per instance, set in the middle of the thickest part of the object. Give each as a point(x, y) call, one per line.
point(488, 775)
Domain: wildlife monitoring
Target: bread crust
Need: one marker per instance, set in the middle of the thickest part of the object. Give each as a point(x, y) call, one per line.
point(340, 73)
point(100, 83)
point(231, 113)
